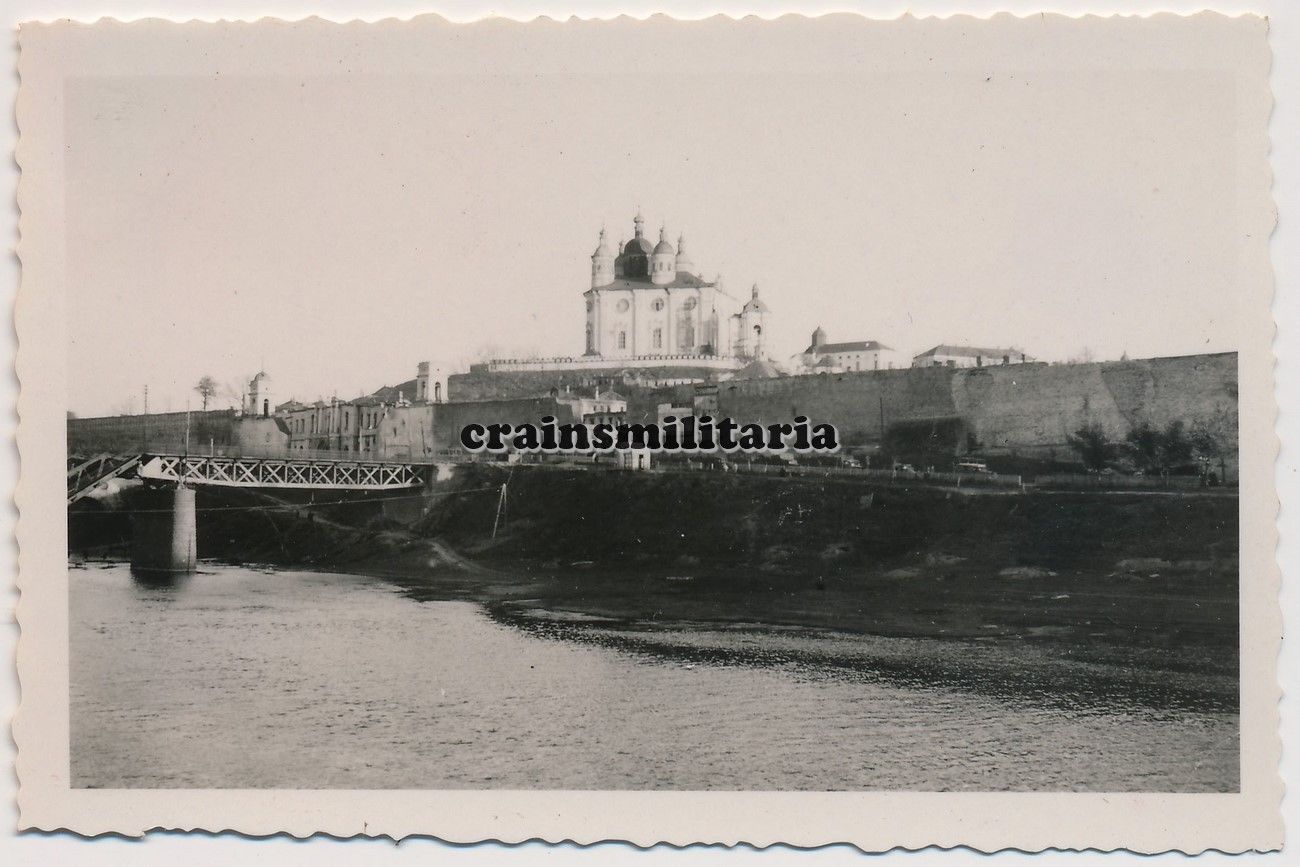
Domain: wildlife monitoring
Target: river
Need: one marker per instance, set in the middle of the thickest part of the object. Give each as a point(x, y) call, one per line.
point(242, 678)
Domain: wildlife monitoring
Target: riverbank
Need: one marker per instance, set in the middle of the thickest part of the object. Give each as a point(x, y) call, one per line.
point(1093, 592)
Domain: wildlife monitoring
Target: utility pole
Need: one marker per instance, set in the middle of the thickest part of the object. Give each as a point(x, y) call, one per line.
point(144, 421)
point(501, 504)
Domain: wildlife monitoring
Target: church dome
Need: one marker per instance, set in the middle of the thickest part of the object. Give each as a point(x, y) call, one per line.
point(602, 248)
point(638, 247)
point(663, 246)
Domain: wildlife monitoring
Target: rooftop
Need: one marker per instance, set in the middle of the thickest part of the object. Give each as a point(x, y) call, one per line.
point(759, 368)
point(389, 393)
point(969, 351)
point(851, 346)
point(683, 280)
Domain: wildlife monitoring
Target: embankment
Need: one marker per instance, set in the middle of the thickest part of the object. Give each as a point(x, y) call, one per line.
point(1132, 582)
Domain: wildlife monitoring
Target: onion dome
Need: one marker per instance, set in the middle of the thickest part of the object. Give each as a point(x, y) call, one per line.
point(663, 246)
point(638, 246)
point(602, 248)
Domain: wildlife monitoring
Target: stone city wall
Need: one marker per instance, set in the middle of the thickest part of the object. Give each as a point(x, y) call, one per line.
point(481, 385)
point(1030, 408)
point(1022, 408)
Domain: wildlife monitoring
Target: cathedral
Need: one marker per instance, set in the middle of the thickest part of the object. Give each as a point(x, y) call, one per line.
point(648, 300)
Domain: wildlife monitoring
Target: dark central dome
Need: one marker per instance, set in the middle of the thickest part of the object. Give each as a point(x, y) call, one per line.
point(638, 246)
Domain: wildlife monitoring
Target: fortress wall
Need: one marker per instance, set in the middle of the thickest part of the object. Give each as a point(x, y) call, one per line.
point(1193, 388)
point(449, 418)
point(1033, 405)
point(1039, 405)
point(1019, 407)
point(530, 383)
point(1027, 408)
point(853, 402)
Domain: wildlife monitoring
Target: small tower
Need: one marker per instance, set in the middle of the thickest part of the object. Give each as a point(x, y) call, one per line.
point(663, 262)
point(602, 263)
point(259, 396)
point(752, 322)
point(818, 339)
point(422, 382)
point(684, 263)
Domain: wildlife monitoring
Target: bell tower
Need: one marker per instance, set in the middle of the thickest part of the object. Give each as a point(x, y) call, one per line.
point(602, 263)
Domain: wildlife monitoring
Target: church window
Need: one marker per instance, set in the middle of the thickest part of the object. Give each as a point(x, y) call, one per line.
point(622, 338)
point(622, 305)
point(657, 305)
point(658, 338)
point(689, 304)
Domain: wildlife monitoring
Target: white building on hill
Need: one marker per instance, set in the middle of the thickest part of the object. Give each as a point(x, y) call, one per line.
point(856, 355)
point(648, 301)
point(945, 355)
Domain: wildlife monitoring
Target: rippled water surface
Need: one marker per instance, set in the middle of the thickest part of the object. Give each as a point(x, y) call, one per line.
point(242, 678)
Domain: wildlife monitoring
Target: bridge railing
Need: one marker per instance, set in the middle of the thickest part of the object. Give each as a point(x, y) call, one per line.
point(282, 453)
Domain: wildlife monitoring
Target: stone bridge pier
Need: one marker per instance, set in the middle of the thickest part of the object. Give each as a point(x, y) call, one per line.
point(164, 532)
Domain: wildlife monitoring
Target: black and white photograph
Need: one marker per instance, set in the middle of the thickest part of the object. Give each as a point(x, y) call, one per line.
point(732, 406)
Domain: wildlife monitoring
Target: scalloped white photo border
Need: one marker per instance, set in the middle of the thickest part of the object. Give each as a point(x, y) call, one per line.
point(872, 821)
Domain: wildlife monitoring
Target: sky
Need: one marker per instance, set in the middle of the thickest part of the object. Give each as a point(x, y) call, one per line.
point(336, 226)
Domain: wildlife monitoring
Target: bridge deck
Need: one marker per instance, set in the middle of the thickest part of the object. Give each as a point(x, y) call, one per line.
point(246, 472)
point(334, 472)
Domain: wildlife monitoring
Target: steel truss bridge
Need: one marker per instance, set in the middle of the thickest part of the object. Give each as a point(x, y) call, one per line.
point(307, 473)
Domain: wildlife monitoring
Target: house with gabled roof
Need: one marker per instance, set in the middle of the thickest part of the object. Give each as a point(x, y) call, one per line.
point(822, 356)
point(948, 355)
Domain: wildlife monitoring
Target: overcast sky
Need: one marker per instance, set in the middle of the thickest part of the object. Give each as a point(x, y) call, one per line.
point(337, 227)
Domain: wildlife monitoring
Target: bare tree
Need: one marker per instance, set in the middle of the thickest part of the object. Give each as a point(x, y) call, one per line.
point(206, 387)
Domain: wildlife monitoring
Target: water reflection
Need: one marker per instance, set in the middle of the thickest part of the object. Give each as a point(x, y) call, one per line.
point(1010, 673)
point(157, 580)
point(238, 678)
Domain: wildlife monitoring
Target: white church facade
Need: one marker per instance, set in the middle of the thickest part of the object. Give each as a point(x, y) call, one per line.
point(649, 307)
point(649, 300)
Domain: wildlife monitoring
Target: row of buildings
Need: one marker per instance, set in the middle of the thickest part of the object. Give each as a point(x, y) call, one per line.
point(656, 330)
point(822, 356)
point(409, 420)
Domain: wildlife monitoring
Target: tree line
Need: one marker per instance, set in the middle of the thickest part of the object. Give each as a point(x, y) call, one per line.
point(1152, 450)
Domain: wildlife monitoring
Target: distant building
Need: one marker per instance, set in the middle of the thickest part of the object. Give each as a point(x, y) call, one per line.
point(855, 355)
point(946, 355)
point(258, 400)
point(602, 407)
point(259, 434)
point(354, 425)
point(759, 368)
point(648, 301)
